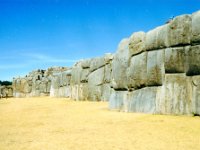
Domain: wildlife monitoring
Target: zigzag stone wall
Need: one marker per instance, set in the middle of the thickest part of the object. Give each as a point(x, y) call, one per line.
point(157, 72)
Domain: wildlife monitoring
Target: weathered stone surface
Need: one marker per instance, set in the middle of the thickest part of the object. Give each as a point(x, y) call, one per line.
point(106, 92)
point(86, 63)
point(96, 77)
point(196, 95)
point(95, 82)
point(137, 72)
point(180, 30)
point(95, 92)
point(97, 63)
point(108, 72)
point(116, 99)
point(196, 27)
point(157, 38)
point(119, 65)
point(175, 96)
point(84, 75)
point(155, 68)
point(162, 37)
point(137, 43)
point(193, 60)
point(175, 60)
point(108, 57)
point(83, 92)
point(143, 100)
point(76, 73)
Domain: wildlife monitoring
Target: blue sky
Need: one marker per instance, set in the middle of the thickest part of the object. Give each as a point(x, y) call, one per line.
point(42, 33)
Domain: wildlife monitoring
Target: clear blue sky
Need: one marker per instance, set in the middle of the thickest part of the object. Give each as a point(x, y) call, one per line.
point(43, 33)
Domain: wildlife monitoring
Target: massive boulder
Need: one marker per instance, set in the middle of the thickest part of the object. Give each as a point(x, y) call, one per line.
point(137, 71)
point(155, 68)
point(137, 43)
point(193, 60)
point(195, 28)
point(180, 30)
point(175, 60)
point(119, 65)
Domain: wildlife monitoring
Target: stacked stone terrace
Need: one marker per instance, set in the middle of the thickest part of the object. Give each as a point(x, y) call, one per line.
point(157, 72)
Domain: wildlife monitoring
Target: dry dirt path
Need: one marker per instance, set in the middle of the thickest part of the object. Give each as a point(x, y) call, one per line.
point(62, 124)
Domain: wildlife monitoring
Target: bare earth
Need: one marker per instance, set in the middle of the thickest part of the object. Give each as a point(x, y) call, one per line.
point(62, 124)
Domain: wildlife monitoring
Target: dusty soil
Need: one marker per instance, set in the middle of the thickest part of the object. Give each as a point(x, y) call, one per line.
point(62, 124)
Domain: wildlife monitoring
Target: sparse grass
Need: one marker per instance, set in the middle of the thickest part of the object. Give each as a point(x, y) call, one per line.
point(62, 124)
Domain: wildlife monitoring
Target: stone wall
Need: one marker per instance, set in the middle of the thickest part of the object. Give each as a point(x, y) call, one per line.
point(157, 72)
point(6, 91)
point(36, 83)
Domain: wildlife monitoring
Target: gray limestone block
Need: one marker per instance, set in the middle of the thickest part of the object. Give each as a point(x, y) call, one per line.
point(86, 63)
point(96, 77)
point(193, 60)
point(55, 82)
point(155, 68)
point(196, 95)
point(108, 57)
point(68, 72)
point(196, 27)
point(180, 29)
point(119, 65)
point(74, 92)
point(117, 99)
point(83, 92)
point(162, 37)
point(137, 72)
point(94, 92)
point(108, 72)
point(157, 38)
point(84, 75)
point(175, 60)
point(76, 73)
point(63, 81)
point(106, 92)
point(137, 43)
point(97, 63)
point(175, 96)
point(142, 100)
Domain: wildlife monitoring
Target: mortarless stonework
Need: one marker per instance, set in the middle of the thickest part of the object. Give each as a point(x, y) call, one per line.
point(157, 72)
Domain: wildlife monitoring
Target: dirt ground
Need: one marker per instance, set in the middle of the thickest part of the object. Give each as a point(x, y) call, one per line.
point(62, 124)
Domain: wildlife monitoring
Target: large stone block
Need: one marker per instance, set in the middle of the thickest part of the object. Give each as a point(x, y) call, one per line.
point(84, 75)
point(137, 43)
point(196, 95)
point(175, 96)
point(196, 27)
point(95, 92)
point(86, 63)
point(193, 60)
point(106, 92)
point(108, 72)
point(97, 63)
point(108, 57)
point(155, 68)
point(76, 73)
point(142, 100)
point(83, 92)
point(137, 72)
point(96, 77)
point(157, 38)
point(180, 29)
point(119, 66)
point(116, 101)
point(175, 60)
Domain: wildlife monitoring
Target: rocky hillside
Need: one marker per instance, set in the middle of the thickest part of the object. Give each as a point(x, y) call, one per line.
point(157, 72)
